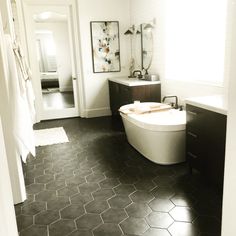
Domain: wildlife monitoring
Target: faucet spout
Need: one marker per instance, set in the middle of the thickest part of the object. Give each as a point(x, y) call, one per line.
point(176, 105)
point(139, 73)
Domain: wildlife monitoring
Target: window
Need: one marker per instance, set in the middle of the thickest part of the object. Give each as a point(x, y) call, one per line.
point(195, 40)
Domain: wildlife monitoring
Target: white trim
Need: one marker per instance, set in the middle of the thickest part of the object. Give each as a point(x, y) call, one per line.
point(8, 225)
point(104, 111)
point(78, 84)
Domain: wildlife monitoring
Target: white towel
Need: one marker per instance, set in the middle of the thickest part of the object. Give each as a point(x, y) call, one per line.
point(22, 122)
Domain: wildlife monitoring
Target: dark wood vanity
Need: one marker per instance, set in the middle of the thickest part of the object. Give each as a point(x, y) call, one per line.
point(205, 143)
point(122, 94)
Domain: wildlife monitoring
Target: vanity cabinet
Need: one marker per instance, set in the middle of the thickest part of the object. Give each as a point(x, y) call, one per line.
point(121, 94)
point(205, 143)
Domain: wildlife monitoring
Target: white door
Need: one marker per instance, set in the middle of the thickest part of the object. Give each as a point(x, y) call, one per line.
point(50, 34)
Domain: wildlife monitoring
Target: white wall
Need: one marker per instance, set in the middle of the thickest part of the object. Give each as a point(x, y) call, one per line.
point(96, 84)
point(63, 57)
point(14, 160)
point(8, 225)
point(229, 196)
point(144, 12)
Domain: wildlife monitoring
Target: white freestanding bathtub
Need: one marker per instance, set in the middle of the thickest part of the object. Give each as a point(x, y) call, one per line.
point(159, 136)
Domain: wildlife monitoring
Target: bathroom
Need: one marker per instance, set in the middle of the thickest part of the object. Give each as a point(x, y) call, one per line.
point(169, 40)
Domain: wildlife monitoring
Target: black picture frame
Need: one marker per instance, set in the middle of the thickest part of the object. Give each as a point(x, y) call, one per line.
point(105, 45)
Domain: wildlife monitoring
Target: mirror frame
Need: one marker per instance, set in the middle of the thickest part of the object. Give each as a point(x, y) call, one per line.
point(143, 48)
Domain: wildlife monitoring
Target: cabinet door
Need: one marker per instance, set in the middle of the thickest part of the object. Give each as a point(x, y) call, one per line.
point(114, 91)
point(205, 143)
point(195, 150)
point(215, 146)
point(138, 93)
point(146, 93)
point(125, 95)
point(153, 93)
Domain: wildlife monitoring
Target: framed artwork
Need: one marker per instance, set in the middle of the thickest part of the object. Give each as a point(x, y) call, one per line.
point(105, 46)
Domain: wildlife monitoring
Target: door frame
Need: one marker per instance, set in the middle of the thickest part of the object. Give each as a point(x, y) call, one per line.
point(23, 8)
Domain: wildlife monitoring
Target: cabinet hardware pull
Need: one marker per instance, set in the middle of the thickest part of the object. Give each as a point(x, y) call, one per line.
point(192, 155)
point(192, 134)
point(192, 113)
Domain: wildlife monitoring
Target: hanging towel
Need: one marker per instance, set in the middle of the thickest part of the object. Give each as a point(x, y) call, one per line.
point(22, 122)
point(26, 81)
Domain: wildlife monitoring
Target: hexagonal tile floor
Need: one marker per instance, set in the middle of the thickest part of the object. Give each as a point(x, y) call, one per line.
point(98, 185)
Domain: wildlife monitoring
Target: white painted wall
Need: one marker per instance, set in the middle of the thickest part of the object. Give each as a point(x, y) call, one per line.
point(63, 57)
point(229, 196)
point(8, 225)
point(14, 160)
point(96, 84)
point(145, 12)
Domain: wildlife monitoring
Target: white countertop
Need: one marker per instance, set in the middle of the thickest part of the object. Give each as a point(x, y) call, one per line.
point(216, 103)
point(132, 81)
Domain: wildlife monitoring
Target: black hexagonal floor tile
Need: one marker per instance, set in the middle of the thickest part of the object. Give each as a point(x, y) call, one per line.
point(34, 188)
point(95, 178)
point(33, 208)
point(58, 203)
point(115, 181)
point(36, 230)
point(107, 229)
point(46, 217)
point(114, 215)
point(119, 201)
point(62, 227)
point(165, 192)
point(185, 214)
point(72, 211)
point(183, 229)
point(109, 183)
point(183, 199)
point(24, 221)
point(96, 206)
point(134, 226)
point(81, 199)
point(124, 189)
point(141, 196)
point(45, 195)
point(55, 185)
point(44, 179)
point(81, 233)
point(67, 191)
point(157, 232)
point(164, 205)
point(128, 179)
point(145, 184)
point(159, 220)
point(75, 180)
point(103, 194)
point(87, 188)
point(88, 221)
point(208, 225)
point(138, 210)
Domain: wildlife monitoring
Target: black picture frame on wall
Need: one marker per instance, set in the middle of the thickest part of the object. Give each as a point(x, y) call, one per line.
point(105, 44)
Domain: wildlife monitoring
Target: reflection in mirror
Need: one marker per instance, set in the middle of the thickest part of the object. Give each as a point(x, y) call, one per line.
point(53, 55)
point(146, 46)
point(137, 48)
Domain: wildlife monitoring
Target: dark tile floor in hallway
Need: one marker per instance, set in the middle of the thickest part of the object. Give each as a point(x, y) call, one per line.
point(98, 185)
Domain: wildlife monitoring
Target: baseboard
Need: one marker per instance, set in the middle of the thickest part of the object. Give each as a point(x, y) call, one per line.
point(66, 89)
point(104, 111)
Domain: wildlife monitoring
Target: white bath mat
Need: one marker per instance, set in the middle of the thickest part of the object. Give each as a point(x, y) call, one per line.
point(50, 136)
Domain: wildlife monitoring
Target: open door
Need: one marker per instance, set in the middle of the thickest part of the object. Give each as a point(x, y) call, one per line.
point(51, 47)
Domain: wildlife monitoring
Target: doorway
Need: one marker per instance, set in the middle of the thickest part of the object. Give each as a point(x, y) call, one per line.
point(51, 43)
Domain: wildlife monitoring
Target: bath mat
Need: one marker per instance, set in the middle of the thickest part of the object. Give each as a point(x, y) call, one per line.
point(50, 136)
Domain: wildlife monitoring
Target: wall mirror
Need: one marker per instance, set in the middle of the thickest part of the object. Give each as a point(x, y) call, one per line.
point(137, 48)
point(146, 46)
point(54, 59)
